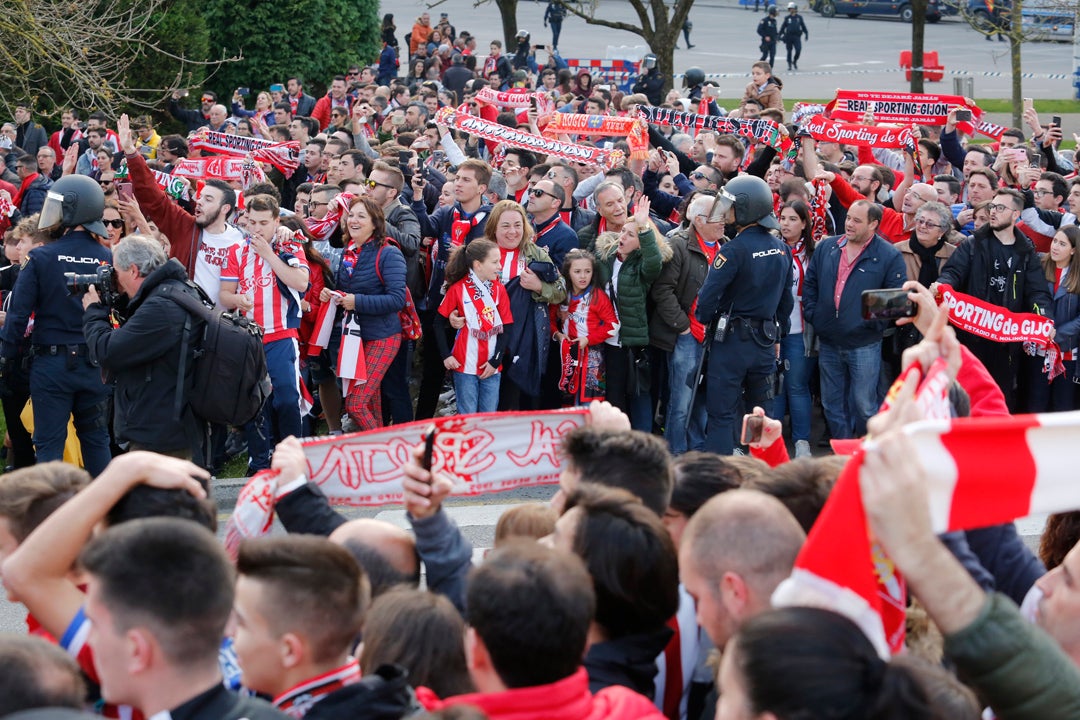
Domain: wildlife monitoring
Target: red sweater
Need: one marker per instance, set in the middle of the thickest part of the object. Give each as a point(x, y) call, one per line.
point(566, 699)
point(892, 222)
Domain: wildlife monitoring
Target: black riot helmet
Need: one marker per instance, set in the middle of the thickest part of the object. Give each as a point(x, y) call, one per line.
point(74, 200)
point(648, 62)
point(693, 77)
point(751, 199)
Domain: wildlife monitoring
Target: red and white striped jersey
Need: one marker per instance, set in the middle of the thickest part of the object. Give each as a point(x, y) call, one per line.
point(277, 307)
point(472, 352)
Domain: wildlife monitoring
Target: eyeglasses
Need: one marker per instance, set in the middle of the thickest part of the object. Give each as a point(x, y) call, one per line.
point(538, 193)
point(698, 176)
point(375, 183)
point(998, 207)
point(315, 204)
point(927, 222)
point(1039, 192)
point(117, 223)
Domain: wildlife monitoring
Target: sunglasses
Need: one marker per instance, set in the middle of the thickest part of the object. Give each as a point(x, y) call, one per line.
point(374, 184)
point(699, 176)
point(538, 193)
point(208, 99)
point(106, 183)
point(117, 223)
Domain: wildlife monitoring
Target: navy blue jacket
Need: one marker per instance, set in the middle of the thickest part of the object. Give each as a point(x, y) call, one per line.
point(880, 266)
point(42, 290)
point(1066, 314)
point(750, 278)
point(378, 301)
point(558, 241)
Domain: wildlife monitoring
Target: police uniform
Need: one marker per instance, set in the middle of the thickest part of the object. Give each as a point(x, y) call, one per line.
point(62, 379)
point(748, 289)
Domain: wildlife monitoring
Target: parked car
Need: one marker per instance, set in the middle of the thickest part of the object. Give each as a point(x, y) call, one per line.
point(1047, 20)
point(855, 8)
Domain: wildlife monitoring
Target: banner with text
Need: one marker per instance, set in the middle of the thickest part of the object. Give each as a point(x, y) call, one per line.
point(481, 453)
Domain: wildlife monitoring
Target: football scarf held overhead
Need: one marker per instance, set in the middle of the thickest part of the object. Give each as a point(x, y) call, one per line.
point(997, 324)
point(172, 185)
point(518, 98)
point(634, 130)
point(285, 156)
point(513, 137)
point(323, 228)
point(831, 130)
point(897, 107)
point(231, 169)
point(481, 453)
point(760, 130)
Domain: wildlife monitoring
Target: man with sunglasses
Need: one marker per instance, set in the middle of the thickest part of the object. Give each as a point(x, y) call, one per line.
point(403, 228)
point(566, 177)
point(544, 202)
point(193, 119)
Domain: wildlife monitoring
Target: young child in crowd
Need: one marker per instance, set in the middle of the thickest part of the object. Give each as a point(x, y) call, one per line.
point(588, 319)
point(474, 290)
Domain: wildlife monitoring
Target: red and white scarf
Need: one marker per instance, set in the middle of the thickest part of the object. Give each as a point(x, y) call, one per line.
point(481, 453)
point(323, 228)
point(519, 98)
point(231, 169)
point(298, 701)
point(513, 137)
point(997, 324)
point(351, 366)
point(461, 227)
point(635, 130)
point(285, 156)
point(482, 316)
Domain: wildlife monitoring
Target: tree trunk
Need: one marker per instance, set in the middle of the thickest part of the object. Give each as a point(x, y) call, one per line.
point(1016, 37)
point(508, 11)
point(918, 35)
point(665, 60)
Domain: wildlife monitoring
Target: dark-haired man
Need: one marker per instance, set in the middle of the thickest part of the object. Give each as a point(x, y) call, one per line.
point(545, 201)
point(308, 595)
point(200, 241)
point(37, 674)
point(529, 613)
point(999, 265)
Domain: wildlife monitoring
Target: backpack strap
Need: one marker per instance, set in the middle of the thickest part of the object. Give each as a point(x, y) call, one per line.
point(193, 307)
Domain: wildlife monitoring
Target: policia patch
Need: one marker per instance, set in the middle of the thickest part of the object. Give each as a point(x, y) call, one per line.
point(718, 261)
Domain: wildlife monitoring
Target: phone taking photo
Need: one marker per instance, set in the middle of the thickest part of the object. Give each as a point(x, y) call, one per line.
point(752, 427)
point(887, 304)
point(429, 446)
point(963, 116)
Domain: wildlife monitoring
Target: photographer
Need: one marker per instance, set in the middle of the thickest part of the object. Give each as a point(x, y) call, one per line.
point(142, 356)
point(63, 379)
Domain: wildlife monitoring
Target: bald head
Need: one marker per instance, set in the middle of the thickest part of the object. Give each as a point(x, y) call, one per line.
point(735, 550)
point(386, 552)
point(918, 195)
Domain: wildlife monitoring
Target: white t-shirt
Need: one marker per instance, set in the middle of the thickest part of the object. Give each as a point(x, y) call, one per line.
point(613, 293)
point(213, 252)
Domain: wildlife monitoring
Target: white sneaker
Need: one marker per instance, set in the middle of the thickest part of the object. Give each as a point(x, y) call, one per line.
point(802, 449)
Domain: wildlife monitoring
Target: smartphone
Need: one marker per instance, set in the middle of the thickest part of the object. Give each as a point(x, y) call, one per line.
point(184, 93)
point(963, 116)
point(1056, 121)
point(752, 425)
point(403, 159)
point(243, 92)
point(1029, 103)
point(712, 92)
point(429, 446)
point(124, 191)
point(397, 119)
point(1036, 161)
point(277, 87)
point(538, 47)
point(887, 304)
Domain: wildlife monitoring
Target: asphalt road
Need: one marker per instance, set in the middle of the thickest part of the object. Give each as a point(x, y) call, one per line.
point(856, 54)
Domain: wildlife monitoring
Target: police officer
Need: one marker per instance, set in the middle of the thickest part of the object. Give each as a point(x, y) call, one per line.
point(63, 381)
point(693, 79)
point(746, 298)
point(651, 84)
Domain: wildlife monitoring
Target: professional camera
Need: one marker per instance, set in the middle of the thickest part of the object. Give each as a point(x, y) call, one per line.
point(104, 280)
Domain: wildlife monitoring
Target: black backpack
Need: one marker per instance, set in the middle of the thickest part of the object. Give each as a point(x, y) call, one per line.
point(230, 383)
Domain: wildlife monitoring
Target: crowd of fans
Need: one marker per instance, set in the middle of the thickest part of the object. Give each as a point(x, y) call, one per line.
point(405, 269)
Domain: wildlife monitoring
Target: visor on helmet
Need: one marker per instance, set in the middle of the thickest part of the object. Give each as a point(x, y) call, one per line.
point(52, 212)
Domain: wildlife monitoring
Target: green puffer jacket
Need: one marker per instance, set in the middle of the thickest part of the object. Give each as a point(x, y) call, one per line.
point(639, 270)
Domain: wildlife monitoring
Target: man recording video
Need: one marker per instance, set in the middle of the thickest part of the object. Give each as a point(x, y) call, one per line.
point(142, 356)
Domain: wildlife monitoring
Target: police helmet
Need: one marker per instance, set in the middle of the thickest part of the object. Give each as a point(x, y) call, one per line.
point(772, 9)
point(523, 36)
point(74, 200)
point(649, 61)
point(751, 199)
point(693, 76)
point(792, 6)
